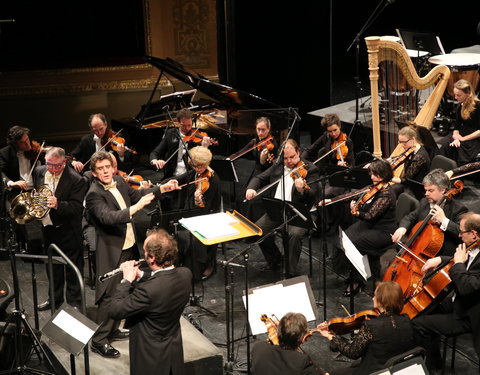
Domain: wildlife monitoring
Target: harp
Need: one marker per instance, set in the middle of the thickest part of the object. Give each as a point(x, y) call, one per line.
point(380, 50)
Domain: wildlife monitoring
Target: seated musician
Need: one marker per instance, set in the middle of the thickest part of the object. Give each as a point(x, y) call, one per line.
point(170, 154)
point(297, 190)
point(459, 311)
point(285, 358)
point(469, 168)
point(416, 165)
point(205, 193)
point(264, 156)
point(370, 233)
point(436, 184)
point(96, 141)
point(378, 339)
point(463, 144)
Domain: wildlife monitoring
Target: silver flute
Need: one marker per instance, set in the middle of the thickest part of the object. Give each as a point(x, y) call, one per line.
point(115, 272)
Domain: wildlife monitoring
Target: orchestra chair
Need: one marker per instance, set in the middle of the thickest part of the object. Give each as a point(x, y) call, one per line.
point(413, 356)
point(442, 162)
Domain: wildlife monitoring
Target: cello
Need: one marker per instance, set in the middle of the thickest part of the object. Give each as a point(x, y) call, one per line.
point(425, 241)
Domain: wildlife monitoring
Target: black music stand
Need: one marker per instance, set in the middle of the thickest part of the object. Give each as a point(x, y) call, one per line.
point(304, 219)
point(421, 41)
point(350, 178)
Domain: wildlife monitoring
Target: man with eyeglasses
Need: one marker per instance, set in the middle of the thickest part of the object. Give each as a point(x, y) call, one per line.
point(111, 204)
point(459, 311)
point(446, 215)
point(93, 142)
point(63, 224)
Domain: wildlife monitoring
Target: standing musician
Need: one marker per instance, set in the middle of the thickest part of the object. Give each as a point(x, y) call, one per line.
point(111, 204)
point(63, 224)
point(458, 313)
point(447, 217)
point(416, 165)
point(375, 211)
point(285, 358)
point(97, 141)
point(297, 190)
point(463, 145)
point(380, 338)
point(204, 193)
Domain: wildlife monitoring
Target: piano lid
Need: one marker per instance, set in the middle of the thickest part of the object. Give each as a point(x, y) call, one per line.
point(226, 97)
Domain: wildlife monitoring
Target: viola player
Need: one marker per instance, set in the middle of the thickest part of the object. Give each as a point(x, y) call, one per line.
point(459, 311)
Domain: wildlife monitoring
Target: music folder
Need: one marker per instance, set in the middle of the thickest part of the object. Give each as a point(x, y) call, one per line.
point(224, 169)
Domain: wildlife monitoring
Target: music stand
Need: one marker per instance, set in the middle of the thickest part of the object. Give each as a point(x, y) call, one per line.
point(304, 219)
point(421, 41)
point(225, 169)
point(350, 178)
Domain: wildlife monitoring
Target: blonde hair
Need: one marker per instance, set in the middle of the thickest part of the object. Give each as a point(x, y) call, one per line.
point(470, 102)
point(200, 156)
point(410, 132)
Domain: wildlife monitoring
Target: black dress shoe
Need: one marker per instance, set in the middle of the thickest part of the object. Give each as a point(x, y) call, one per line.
point(44, 306)
point(119, 335)
point(107, 350)
point(353, 292)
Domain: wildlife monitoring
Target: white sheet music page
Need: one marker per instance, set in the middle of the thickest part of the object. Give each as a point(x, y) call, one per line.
point(359, 261)
point(211, 226)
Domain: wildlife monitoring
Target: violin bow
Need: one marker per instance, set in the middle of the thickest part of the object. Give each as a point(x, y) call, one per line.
point(193, 182)
point(35, 162)
point(105, 145)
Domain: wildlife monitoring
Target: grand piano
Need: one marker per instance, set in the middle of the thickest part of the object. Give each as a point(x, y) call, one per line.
point(227, 112)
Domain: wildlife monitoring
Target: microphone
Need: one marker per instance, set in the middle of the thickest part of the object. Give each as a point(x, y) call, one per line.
point(370, 154)
point(224, 263)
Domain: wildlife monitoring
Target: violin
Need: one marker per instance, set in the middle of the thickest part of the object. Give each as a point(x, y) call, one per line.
point(401, 158)
point(300, 172)
point(135, 181)
point(265, 143)
point(196, 136)
point(202, 184)
point(272, 327)
point(342, 150)
point(115, 141)
point(35, 151)
point(342, 326)
point(367, 196)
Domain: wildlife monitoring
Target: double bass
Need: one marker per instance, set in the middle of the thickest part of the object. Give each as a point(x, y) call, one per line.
point(425, 241)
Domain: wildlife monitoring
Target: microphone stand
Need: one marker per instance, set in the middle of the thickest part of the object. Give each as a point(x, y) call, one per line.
point(356, 42)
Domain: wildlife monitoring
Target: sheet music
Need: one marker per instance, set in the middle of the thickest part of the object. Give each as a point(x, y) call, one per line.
point(211, 226)
point(359, 261)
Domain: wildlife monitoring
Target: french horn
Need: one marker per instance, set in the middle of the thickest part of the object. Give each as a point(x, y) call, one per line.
point(31, 205)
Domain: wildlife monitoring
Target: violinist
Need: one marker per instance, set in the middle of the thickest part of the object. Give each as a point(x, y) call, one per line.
point(16, 161)
point(416, 165)
point(435, 183)
point(297, 191)
point(380, 338)
point(285, 358)
point(201, 189)
point(95, 141)
point(375, 220)
point(459, 311)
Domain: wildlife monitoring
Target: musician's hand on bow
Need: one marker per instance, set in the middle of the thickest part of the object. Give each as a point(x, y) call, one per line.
point(130, 270)
point(342, 163)
point(399, 233)
point(438, 215)
point(169, 186)
point(159, 164)
point(431, 264)
point(461, 254)
point(263, 156)
point(21, 184)
point(77, 165)
point(250, 194)
point(324, 202)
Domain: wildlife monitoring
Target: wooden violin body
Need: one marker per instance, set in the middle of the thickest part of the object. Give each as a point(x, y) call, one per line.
point(300, 172)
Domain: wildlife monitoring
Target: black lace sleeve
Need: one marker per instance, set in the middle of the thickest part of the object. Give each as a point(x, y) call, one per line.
point(415, 166)
point(382, 202)
point(470, 167)
point(357, 347)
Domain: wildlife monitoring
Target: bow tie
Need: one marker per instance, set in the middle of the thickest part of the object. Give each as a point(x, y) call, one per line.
point(111, 185)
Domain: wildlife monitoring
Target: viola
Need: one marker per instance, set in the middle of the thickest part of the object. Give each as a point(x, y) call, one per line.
point(196, 136)
point(368, 195)
point(135, 181)
point(202, 184)
point(424, 242)
point(342, 326)
point(272, 327)
point(300, 171)
point(401, 158)
point(341, 146)
point(435, 285)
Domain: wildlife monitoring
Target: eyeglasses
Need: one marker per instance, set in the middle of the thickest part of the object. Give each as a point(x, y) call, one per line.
point(403, 142)
point(54, 166)
point(463, 231)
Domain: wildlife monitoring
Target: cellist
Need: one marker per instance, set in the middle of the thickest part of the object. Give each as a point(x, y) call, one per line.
point(436, 183)
point(459, 311)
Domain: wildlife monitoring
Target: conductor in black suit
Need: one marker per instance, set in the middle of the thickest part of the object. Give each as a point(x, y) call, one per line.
point(153, 306)
point(447, 216)
point(111, 204)
point(63, 224)
point(284, 359)
point(460, 310)
point(297, 191)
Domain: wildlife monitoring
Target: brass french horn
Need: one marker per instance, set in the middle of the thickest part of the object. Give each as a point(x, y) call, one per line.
point(28, 206)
